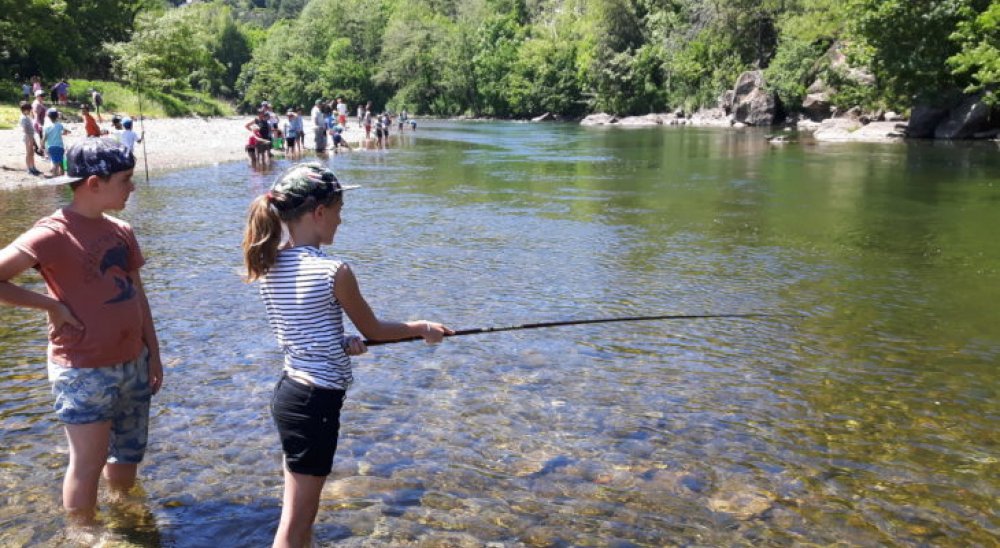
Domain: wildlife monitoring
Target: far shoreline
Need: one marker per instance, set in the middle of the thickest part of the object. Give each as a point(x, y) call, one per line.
point(171, 144)
point(189, 142)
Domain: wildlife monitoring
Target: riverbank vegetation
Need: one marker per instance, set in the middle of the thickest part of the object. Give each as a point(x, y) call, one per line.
point(513, 58)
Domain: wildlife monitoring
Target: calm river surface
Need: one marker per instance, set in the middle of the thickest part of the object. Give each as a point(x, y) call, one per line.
point(871, 418)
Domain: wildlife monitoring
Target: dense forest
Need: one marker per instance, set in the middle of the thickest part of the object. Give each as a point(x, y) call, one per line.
point(513, 58)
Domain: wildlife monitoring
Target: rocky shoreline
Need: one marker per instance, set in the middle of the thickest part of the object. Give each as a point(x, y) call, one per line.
point(749, 103)
point(847, 129)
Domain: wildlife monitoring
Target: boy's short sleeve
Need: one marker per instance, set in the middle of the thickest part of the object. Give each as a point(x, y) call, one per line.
point(135, 258)
point(40, 243)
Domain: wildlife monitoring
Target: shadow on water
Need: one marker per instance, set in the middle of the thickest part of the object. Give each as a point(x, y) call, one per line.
point(871, 419)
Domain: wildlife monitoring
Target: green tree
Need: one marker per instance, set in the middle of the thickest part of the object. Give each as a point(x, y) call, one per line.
point(288, 56)
point(231, 47)
point(412, 58)
point(978, 39)
point(905, 43)
point(623, 74)
point(53, 38)
point(197, 46)
point(500, 40)
point(330, 50)
point(807, 30)
point(544, 78)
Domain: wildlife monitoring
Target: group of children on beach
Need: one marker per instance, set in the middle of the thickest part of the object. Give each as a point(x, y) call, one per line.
point(104, 356)
point(42, 132)
point(329, 120)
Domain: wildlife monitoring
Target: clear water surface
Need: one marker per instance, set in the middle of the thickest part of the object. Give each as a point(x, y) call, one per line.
point(869, 418)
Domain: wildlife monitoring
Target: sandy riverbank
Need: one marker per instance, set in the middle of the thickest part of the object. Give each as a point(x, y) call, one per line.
point(171, 143)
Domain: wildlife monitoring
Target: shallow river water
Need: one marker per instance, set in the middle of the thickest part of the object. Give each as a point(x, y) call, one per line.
point(867, 417)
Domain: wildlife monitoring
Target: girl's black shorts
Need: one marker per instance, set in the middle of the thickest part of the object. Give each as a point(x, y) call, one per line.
point(308, 421)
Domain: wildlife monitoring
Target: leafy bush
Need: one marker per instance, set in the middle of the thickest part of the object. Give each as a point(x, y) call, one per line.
point(192, 47)
point(794, 67)
point(978, 37)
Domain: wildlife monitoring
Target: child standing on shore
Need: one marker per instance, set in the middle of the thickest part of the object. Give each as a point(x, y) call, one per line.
point(30, 146)
point(305, 293)
point(103, 355)
point(128, 137)
point(52, 138)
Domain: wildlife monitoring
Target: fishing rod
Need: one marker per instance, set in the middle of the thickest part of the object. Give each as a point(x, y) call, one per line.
point(142, 123)
point(495, 329)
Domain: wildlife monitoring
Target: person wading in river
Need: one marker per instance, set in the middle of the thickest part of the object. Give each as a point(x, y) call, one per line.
point(103, 355)
point(305, 293)
point(262, 125)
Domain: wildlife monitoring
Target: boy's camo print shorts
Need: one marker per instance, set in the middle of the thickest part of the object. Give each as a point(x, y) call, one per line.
point(119, 393)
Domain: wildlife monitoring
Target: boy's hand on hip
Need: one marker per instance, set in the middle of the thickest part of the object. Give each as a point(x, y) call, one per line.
point(61, 315)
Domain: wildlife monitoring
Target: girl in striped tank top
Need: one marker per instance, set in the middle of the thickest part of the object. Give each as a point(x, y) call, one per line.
point(305, 293)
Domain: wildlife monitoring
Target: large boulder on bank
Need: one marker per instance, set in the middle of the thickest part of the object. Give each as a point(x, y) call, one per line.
point(879, 132)
point(712, 117)
point(965, 120)
point(641, 121)
point(836, 129)
point(746, 84)
point(726, 100)
point(753, 105)
point(759, 108)
point(850, 129)
point(923, 120)
point(817, 106)
point(599, 119)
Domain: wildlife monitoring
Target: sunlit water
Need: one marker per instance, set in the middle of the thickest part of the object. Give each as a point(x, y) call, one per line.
point(870, 418)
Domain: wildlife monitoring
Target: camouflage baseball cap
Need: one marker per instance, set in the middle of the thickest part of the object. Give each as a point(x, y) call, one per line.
point(303, 181)
point(95, 156)
point(307, 177)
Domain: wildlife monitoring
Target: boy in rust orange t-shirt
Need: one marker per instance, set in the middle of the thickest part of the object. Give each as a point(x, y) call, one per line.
point(103, 354)
point(89, 123)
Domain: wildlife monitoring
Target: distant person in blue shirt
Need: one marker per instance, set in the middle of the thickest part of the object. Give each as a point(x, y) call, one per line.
point(338, 138)
point(52, 138)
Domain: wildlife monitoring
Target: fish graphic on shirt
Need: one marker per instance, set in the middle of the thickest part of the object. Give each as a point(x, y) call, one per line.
point(117, 256)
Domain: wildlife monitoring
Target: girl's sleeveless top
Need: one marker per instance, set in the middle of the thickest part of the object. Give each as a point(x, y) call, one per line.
point(306, 318)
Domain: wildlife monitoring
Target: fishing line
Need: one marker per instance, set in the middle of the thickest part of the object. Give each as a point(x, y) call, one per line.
point(538, 325)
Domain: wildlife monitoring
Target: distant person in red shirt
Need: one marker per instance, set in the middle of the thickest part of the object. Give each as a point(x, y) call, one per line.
point(256, 152)
point(89, 124)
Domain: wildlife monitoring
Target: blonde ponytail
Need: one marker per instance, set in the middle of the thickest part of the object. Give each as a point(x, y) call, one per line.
point(261, 238)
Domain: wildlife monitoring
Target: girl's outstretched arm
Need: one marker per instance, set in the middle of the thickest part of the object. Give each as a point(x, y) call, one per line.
point(346, 291)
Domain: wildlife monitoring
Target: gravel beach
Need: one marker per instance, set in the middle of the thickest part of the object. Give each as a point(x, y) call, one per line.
point(171, 143)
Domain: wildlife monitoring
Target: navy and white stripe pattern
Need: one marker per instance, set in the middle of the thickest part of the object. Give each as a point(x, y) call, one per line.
point(306, 318)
